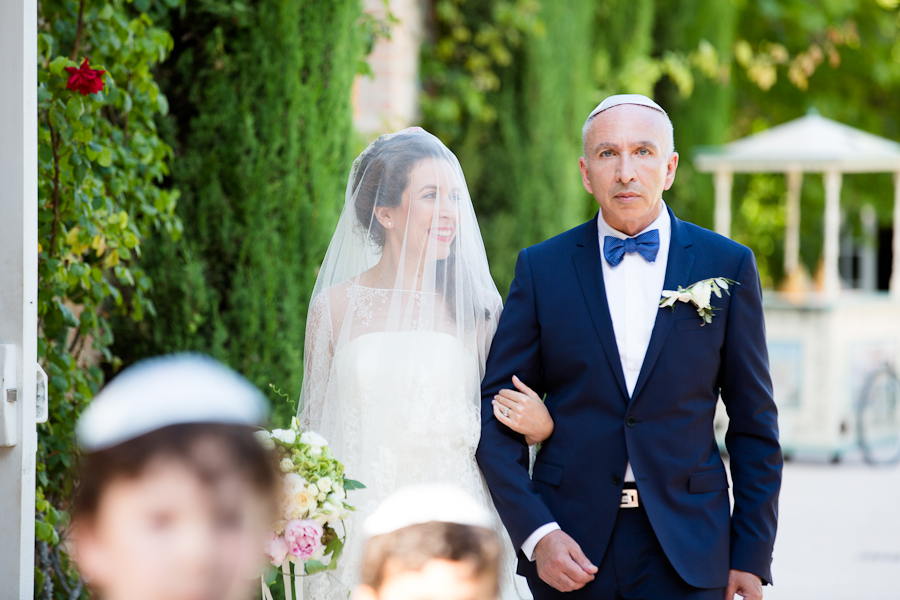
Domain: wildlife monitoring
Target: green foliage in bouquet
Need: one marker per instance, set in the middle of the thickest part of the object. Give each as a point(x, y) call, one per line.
point(101, 167)
point(262, 129)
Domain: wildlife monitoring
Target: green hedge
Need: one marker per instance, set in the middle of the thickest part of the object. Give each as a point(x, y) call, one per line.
point(262, 129)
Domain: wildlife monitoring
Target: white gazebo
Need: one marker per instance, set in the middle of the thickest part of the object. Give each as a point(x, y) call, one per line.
point(824, 346)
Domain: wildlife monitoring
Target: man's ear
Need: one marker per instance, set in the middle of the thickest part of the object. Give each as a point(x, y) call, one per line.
point(585, 181)
point(671, 167)
point(384, 216)
point(364, 592)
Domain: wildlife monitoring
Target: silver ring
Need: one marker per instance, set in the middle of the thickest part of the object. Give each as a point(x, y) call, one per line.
point(506, 413)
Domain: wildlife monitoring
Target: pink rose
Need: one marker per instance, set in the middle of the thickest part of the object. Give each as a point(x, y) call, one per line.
point(276, 548)
point(303, 538)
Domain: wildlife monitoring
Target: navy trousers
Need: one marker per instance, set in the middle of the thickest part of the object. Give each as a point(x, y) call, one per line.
point(633, 568)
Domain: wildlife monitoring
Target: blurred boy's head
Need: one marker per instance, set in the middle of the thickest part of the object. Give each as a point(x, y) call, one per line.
point(430, 543)
point(175, 493)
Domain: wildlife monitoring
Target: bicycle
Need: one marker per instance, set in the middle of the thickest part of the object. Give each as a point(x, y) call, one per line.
point(878, 418)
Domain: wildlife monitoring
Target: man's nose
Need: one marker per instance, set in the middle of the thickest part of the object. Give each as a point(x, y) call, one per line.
point(625, 172)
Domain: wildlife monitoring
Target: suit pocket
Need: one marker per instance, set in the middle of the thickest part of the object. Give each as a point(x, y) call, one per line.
point(547, 473)
point(708, 481)
point(696, 323)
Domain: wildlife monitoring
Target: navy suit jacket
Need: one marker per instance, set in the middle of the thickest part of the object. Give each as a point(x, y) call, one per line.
point(556, 335)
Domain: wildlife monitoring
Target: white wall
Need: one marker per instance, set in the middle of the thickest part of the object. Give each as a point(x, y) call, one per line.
point(18, 285)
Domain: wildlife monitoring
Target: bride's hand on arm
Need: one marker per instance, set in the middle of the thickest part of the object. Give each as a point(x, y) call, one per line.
point(524, 412)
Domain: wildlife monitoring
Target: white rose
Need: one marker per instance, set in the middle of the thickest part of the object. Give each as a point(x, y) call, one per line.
point(321, 497)
point(313, 439)
point(313, 451)
point(324, 484)
point(294, 483)
point(312, 489)
point(288, 436)
point(286, 464)
point(701, 294)
point(338, 492)
point(332, 513)
point(335, 500)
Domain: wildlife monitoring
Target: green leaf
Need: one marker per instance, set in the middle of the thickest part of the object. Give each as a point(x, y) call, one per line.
point(314, 566)
point(106, 13)
point(352, 484)
point(58, 64)
point(74, 107)
point(105, 158)
point(43, 531)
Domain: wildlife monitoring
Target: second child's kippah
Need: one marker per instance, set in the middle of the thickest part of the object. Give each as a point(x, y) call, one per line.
point(426, 503)
point(158, 392)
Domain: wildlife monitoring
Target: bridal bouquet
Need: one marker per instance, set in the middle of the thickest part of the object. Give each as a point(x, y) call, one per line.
point(313, 500)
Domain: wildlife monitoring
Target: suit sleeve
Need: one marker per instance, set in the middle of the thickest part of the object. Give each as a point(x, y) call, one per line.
point(502, 453)
point(752, 437)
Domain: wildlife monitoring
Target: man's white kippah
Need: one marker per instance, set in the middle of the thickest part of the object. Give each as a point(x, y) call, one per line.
point(426, 503)
point(158, 392)
point(618, 99)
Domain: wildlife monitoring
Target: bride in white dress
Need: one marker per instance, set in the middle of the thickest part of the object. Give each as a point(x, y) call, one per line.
point(400, 324)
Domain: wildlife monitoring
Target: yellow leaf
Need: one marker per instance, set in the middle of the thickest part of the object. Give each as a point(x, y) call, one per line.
point(72, 236)
point(99, 244)
point(112, 259)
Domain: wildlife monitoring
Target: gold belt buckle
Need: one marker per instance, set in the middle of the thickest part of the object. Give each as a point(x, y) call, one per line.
point(629, 499)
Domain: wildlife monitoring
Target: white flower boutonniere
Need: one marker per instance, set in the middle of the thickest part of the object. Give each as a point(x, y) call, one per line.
point(700, 294)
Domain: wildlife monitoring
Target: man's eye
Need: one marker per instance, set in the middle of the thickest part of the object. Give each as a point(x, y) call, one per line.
point(643, 152)
point(606, 153)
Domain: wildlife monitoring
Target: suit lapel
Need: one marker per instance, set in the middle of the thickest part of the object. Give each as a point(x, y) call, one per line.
point(590, 276)
point(678, 271)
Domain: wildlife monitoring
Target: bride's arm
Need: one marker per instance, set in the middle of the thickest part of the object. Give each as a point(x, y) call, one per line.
point(524, 412)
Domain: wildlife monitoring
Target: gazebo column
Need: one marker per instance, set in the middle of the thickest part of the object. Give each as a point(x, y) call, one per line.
point(831, 253)
point(895, 267)
point(792, 226)
point(723, 181)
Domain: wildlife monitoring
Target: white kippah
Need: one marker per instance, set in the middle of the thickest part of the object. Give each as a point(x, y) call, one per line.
point(618, 99)
point(155, 393)
point(426, 503)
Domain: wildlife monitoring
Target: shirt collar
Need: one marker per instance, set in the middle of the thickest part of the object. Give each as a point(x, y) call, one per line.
point(662, 222)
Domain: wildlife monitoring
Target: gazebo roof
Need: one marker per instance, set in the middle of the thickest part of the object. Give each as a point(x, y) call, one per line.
point(810, 143)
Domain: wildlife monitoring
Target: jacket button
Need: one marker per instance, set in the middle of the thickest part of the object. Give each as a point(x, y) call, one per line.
point(631, 421)
point(616, 480)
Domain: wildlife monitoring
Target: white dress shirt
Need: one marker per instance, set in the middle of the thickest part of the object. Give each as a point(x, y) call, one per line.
point(633, 290)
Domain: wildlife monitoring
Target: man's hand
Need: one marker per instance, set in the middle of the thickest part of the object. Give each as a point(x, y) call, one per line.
point(561, 563)
point(745, 584)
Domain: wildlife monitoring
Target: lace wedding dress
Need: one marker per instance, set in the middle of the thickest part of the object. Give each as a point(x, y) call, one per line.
point(399, 328)
point(406, 418)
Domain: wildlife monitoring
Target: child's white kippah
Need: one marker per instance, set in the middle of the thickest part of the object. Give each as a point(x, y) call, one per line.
point(158, 392)
point(426, 503)
point(618, 99)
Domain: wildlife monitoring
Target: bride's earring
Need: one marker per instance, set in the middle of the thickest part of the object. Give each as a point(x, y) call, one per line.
point(390, 225)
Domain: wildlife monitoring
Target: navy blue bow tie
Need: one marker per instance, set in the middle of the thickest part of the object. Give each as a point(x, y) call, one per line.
point(646, 244)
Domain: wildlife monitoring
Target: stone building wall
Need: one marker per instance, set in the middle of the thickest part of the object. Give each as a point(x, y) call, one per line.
point(389, 100)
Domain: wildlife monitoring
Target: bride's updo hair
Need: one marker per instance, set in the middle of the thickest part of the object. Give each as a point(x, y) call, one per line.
point(383, 174)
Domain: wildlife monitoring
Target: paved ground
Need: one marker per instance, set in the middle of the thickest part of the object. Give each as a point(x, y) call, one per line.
point(838, 533)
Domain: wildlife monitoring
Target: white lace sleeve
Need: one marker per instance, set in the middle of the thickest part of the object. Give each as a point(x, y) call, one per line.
point(318, 356)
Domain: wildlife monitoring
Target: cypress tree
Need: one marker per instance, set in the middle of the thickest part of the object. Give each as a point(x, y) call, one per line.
point(263, 135)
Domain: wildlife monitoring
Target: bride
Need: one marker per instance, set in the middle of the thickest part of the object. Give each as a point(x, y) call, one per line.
point(400, 324)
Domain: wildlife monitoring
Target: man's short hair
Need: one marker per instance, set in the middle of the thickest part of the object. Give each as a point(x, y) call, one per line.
point(411, 547)
point(587, 125)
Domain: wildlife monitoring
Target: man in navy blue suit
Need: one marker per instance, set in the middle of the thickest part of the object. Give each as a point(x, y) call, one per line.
point(628, 497)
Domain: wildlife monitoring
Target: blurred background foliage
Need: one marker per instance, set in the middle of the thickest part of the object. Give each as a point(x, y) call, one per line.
point(188, 205)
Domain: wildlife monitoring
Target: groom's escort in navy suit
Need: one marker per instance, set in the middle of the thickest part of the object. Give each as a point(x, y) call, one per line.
point(642, 412)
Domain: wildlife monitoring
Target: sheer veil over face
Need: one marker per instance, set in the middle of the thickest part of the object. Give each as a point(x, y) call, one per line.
point(407, 257)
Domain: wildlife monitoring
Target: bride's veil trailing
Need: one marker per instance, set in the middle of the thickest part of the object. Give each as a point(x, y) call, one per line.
point(400, 324)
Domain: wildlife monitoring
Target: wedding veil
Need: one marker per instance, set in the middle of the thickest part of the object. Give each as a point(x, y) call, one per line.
point(407, 258)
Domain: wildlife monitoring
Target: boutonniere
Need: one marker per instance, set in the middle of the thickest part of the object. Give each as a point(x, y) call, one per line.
point(700, 294)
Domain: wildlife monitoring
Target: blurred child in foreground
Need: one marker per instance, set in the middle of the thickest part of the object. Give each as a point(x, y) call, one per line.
point(175, 494)
point(430, 542)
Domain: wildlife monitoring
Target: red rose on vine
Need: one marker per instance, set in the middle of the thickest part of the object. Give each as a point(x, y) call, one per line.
point(84, 79)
